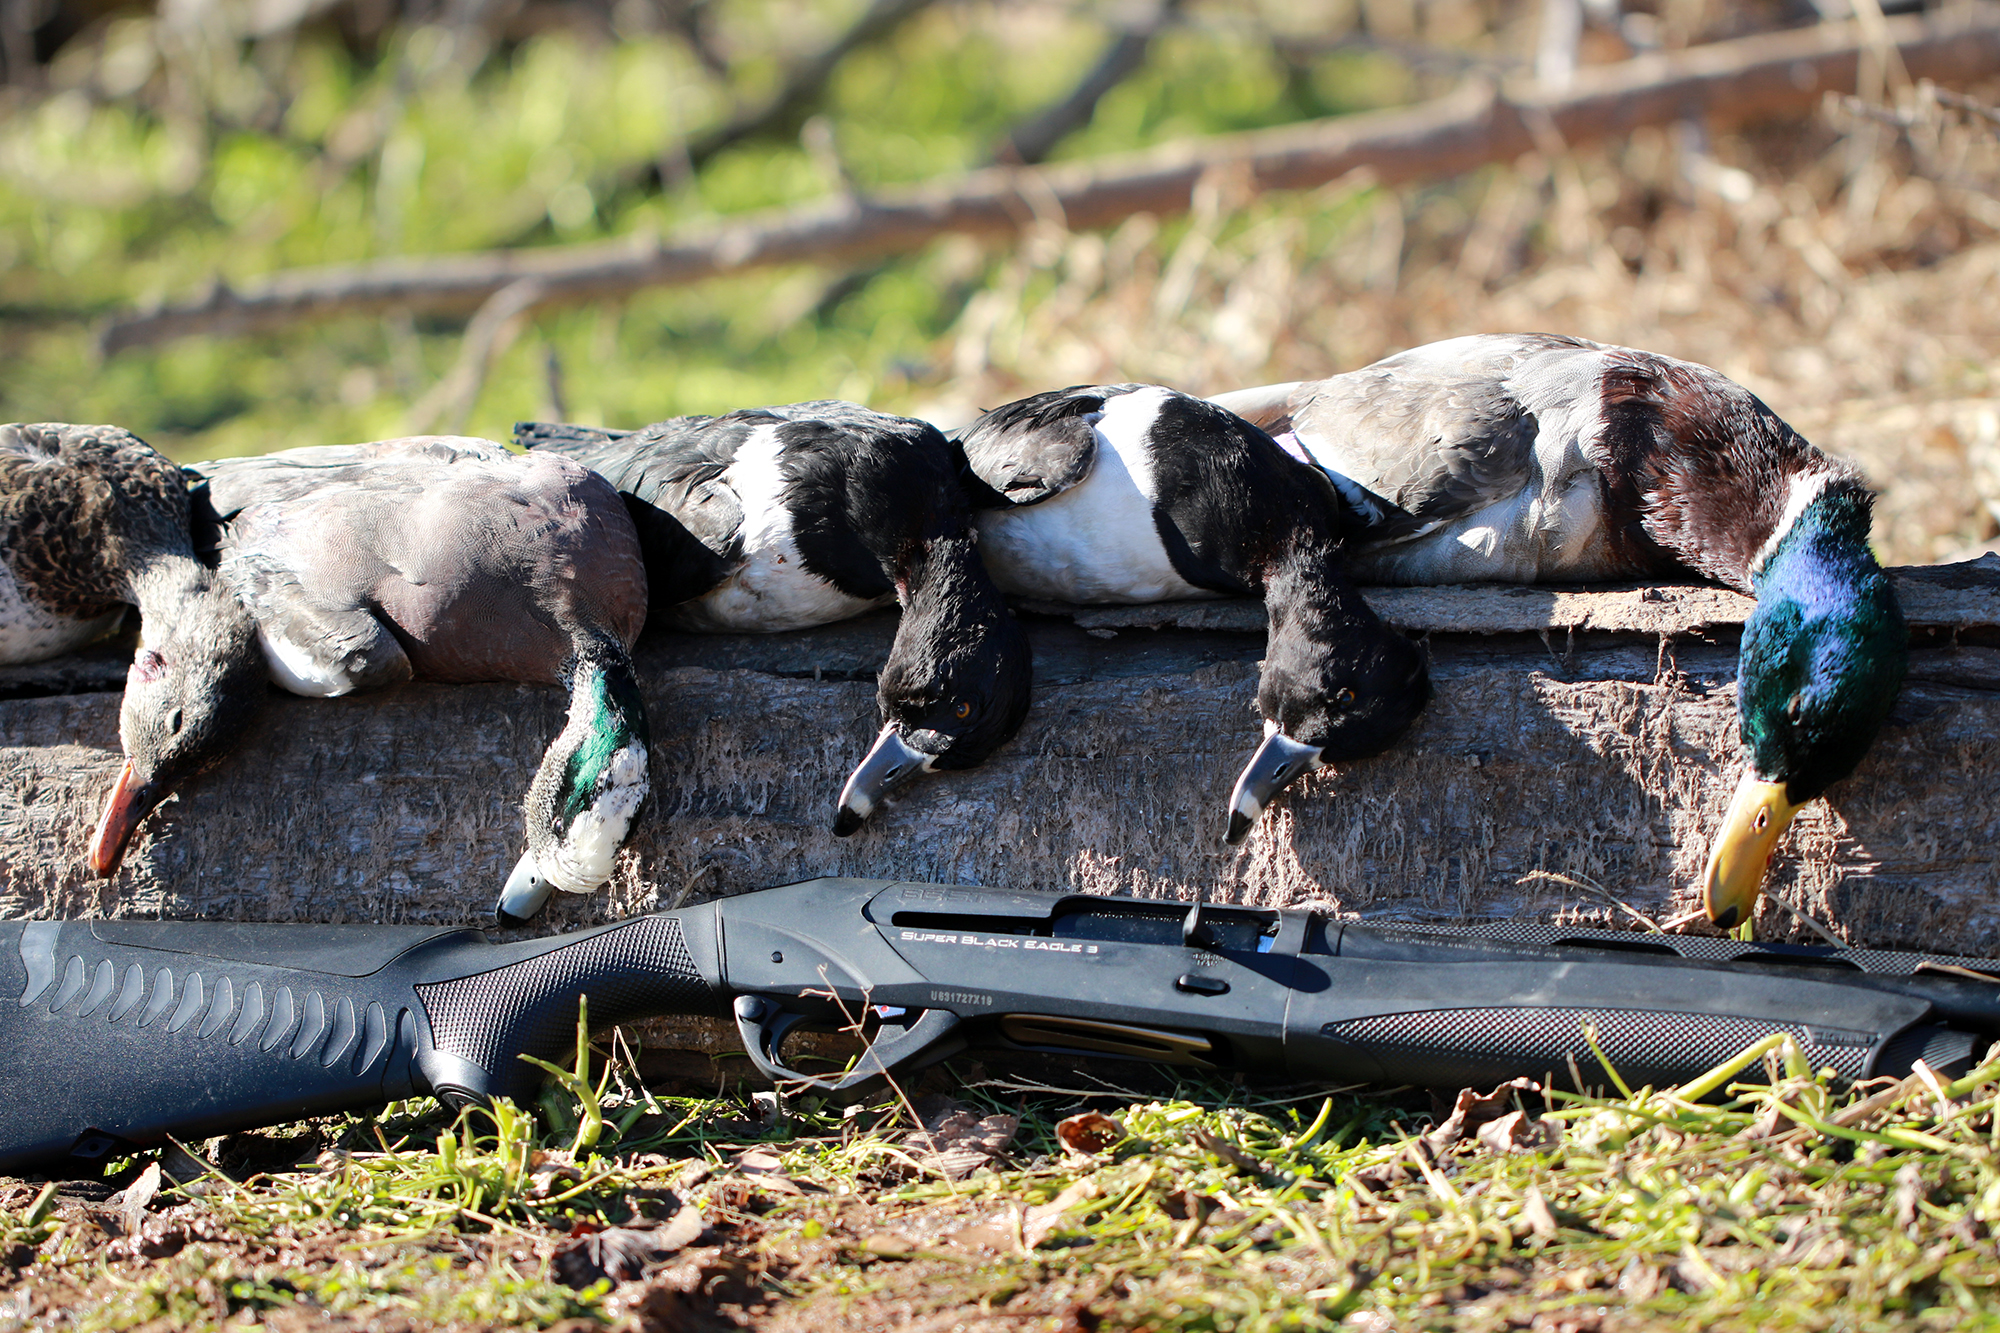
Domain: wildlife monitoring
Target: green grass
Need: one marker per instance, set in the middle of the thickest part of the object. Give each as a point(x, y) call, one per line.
point(1787, 1206)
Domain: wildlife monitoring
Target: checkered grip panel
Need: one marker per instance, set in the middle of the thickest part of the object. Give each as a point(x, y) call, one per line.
point(529, 1008)
point(1441, 1047)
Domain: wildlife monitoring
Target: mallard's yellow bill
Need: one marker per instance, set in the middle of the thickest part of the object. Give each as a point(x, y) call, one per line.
point(1758, 816)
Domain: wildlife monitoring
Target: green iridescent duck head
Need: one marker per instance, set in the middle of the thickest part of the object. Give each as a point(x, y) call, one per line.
point(1821, 662)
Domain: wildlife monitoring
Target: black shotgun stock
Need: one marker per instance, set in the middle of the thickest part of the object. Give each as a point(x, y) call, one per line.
point(119, 1033)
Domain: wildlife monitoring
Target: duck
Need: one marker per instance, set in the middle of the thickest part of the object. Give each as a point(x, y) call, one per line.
point(452, 559)
point(1524, 457)
point(776, 518)
point(93, 520)
point(1134, 493)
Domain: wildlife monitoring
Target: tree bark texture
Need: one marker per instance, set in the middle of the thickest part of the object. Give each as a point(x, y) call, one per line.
point(1605, 755)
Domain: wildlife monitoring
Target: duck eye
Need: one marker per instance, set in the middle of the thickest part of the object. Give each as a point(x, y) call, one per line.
point(963, 711)
point(1344, 697)
point(1795, 705)
point(174, 722)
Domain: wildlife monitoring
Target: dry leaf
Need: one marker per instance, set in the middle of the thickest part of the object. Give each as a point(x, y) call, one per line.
point(1044, 1218)
point(996, 1233)
point(889, 1245)
point(551, 1178)
point(137, 1197)
point(1517, 1132)
point(1218, 1146)
point(1398, 1170)
point(1185, 1203)
point(1694, 1273)
point(1640, 1281)
point(1910, 1191)
point(957, 1143)
point(1474, 1109)
point(185, 1169)
point(625, 1253)
point(683, 1229)
point(1088, 1133)
point(1535, 1211)
point(1770, 1123)
point(765, 1169)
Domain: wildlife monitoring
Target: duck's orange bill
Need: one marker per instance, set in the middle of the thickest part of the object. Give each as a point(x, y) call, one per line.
point(1758, 816)
point(130, 801)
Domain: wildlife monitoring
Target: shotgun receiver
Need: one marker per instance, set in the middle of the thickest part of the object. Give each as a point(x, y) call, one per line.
point(119, 1032)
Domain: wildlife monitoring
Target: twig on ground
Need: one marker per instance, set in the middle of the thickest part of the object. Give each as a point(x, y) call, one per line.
point(1595, 889)
point(1796, 914)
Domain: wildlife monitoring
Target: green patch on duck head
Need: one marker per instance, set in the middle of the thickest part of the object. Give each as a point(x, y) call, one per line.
point(604, 697)
point(1824, 652)
point(591, 783)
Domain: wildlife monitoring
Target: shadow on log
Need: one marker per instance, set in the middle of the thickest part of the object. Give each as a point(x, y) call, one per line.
point(1585, 733)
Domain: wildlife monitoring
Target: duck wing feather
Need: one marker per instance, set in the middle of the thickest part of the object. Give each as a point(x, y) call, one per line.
point(1034, 449)
point(1433, 435)
point(672, 476)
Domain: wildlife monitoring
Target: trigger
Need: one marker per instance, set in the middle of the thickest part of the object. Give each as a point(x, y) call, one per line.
point(764, 1026)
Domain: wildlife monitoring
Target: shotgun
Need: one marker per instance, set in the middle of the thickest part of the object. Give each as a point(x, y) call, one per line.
point(117, 1033)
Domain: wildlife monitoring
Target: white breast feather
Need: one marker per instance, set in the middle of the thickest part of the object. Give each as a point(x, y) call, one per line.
point(29, 634)
point(1096, 542)
point(771, 589)
point(295, 669)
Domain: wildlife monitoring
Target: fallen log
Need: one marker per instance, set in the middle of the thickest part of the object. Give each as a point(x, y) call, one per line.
point(1554, 747)
point(1725, 83)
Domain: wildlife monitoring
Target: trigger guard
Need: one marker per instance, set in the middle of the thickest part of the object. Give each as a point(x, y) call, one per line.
point(764, 1026)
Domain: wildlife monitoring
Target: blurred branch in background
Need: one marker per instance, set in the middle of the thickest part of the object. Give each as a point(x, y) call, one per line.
point(1027, 144)
point(492, 329)
point(1030, 142)
point(18, 21)
point(1950, 139)
point(788, 108)
point(1724, 84)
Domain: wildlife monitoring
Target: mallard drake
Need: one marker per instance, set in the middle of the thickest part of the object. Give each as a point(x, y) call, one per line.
point(777, 518)
point(93, 518)
point(1530, 456)
point(1130, 493)
point(453, 559)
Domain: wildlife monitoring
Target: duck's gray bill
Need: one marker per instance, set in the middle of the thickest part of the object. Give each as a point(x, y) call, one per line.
point(888, 766)
point(526, 893)
point(1278, 761)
